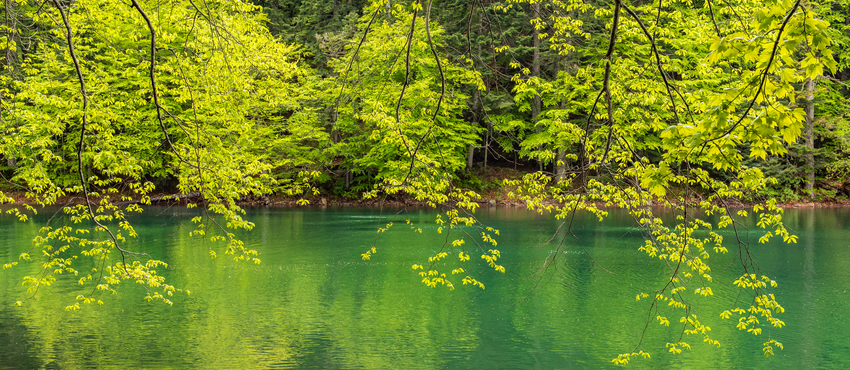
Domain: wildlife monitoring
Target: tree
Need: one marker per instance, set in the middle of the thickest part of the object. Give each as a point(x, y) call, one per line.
point(703, 86)
point(321, 26)
point(400, 103)
point(832, 102)
point(114, 98)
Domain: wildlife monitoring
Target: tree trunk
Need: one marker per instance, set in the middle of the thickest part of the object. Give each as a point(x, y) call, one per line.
point(560, 166)
point(535, 72)
point(475, 122)
point(810, 137)
point(487, 142)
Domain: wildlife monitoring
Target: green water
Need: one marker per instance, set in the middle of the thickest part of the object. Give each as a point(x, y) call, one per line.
point(314, 304)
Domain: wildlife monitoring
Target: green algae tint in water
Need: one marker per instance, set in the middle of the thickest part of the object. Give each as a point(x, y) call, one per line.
point(313, 303)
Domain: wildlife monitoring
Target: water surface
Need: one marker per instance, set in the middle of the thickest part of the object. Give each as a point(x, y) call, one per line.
point(314, 304)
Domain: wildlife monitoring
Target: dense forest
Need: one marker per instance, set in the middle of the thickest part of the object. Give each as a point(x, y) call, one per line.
point(538, 66)
point(630, 104)
point(343, 92)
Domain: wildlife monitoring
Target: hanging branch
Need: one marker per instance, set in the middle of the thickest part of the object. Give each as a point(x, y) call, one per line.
point(436, 60)
point(606, 85)
point(154, 90)
point(406, 68)
point(658, 63)
point(713, 21)
point(354, 57)
point(84, 94)
point(160, 110)
point(442, 91)
point(764, 75)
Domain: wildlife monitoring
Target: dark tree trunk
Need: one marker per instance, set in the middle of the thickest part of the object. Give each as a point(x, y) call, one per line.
point(535, 72)
point(475, 122)
point(560, 166)
point(810, 137)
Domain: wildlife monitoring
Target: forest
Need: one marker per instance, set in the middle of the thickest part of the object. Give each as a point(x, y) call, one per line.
point(345, 93)
point(699, 106)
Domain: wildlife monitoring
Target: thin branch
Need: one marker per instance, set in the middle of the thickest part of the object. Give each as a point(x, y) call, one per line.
point(407, 69)
point(713, 21)
point(606, 82)
point(354, 56)
point(83, 182)
point(658, 63)
point(765, 73)
point(436, 59)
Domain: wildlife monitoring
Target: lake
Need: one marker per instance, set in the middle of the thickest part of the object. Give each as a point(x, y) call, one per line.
point(313, 303)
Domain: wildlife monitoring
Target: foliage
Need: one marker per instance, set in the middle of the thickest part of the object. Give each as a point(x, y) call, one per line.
point(322, 27)
point(104, 109)
point(676, 104)
point(399, 108)
point(705, 103)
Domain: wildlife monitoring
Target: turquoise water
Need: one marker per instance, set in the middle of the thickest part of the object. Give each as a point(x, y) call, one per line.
point(314, 304)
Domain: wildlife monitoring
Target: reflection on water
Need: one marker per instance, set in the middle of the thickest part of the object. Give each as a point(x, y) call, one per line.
point(313, 303)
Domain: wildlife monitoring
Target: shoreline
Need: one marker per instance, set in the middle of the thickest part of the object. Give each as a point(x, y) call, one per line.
point(487, 200)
